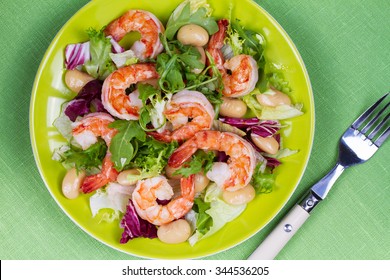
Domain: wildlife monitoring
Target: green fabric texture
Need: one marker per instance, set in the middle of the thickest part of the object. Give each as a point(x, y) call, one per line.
point(346, 48)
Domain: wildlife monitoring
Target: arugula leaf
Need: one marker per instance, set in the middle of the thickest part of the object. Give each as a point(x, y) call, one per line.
point(123, 145)
point(251, 42)
point(100, 65)
point(191, 60)
point(82, 159)
point(169, 69)
point(262, 182)
point(204, 221)
point(199, 161)
point(191, 11)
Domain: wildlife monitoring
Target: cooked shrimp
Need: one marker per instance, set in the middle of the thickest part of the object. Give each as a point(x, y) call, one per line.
point(234, 174)
point(147, 192)
point(114, 97)
point(147, 24)
point(183, 106)
point(240, 73)
point(86, 132)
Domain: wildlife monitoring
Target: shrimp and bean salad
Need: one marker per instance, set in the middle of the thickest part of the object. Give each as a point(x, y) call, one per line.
point(185, 121)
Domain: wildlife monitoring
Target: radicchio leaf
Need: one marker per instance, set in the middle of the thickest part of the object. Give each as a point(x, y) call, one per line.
point(89, 96)
point(134, 226)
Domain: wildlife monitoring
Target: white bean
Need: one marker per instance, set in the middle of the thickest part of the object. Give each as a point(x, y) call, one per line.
point(169, 172)
point(201, 182)
point(123, 177)
point(175, 232)
point(72, 182)
point(76, 80)
point(267, 144)
point(275, 99)
point(192, 34)
point(232, 107)
point(240, 196)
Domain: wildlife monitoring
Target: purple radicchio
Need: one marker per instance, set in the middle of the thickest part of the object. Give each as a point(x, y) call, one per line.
point(87, 100)
point(78, 54)
point(133, 226)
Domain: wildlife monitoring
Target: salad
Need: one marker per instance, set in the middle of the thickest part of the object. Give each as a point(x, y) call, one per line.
point(172, 138)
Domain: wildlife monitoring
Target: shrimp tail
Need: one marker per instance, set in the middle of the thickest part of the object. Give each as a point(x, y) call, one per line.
point(96, 181)
point(216, 43)
point(164, 136)
point(188, 186)
point(183, 153)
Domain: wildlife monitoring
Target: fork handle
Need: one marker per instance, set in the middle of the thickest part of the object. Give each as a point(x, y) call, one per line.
point(281, 234)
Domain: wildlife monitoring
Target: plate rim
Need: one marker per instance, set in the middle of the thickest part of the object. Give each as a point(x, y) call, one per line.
point(33, 142)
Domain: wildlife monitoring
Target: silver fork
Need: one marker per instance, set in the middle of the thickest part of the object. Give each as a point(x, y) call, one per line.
point(359, 142)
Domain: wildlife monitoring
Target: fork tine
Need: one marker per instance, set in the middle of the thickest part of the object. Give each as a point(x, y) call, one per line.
point(367, 113)
point(368, 126)
point(382, 138)
point(378, 127)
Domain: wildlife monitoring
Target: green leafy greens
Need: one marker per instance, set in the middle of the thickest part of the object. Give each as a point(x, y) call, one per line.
point(191, 11)
point(151, 158)
point(263, 182)
point(204, 221)
point(124, 144)
point(89, 159)
point(199, 161)
point(100, 65)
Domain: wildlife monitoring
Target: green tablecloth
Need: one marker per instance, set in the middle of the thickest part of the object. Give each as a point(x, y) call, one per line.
point(346, 48)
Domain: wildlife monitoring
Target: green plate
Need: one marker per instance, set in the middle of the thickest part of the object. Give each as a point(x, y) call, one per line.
point(49, 92)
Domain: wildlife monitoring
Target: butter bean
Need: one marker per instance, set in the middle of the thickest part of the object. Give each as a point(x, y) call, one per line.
point(232, 107)
point(72, 182)
point(201, 182)
point(192, 34)
point(240, 196)
point(267, 144)
point(76, 80)
point(169, 172)
point(123, 177)
point(274, 99)
point(175, 232)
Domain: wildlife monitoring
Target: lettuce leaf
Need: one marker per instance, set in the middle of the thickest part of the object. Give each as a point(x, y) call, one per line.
point(280, 112)
point(191, 11)
point(89, 159)
point(219, 211)
point(114, 196)
point(263, 182)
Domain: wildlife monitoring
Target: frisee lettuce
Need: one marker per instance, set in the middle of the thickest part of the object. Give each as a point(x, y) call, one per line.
point(151, 158)
point(100, 64)
point(262, 181)
point(153, 107)
point(88, 159)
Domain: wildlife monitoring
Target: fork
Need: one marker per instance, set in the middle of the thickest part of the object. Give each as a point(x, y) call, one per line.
point(359, 142)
